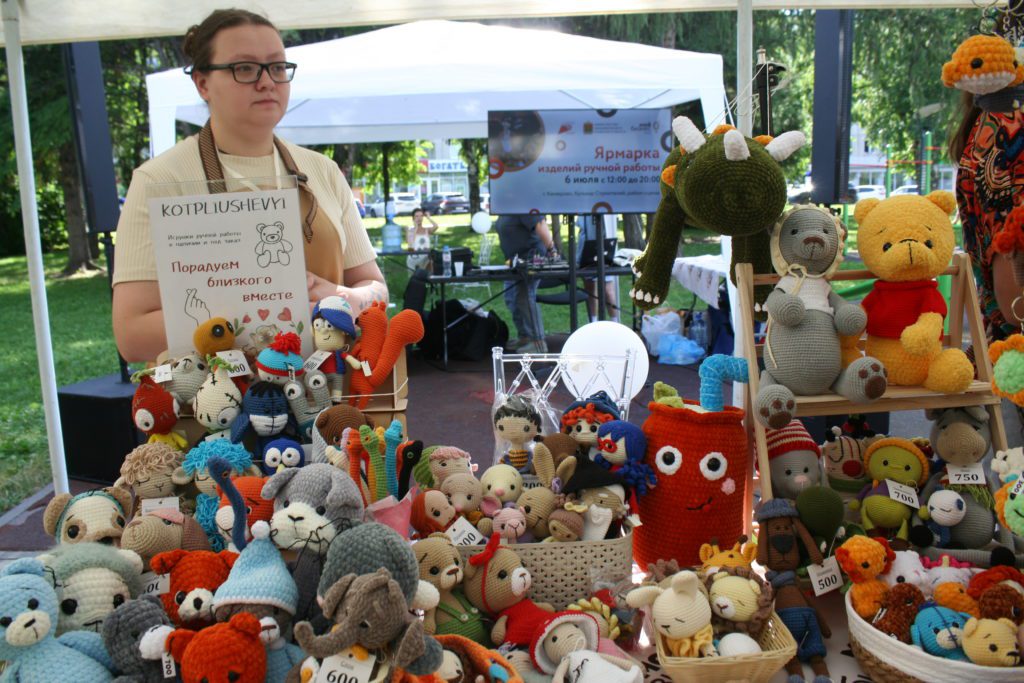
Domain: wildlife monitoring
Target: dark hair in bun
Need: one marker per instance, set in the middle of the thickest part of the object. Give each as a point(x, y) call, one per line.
point(198, 42)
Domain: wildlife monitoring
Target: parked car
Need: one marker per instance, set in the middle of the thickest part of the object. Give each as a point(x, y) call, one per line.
point(405, 202)
point(870, 192)
point(906, 189)
point(446, 202)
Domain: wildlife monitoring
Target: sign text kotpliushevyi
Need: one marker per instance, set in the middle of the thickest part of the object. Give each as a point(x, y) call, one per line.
point(218, 206)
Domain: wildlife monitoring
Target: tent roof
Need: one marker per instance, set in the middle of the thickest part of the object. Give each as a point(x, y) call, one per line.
point(438, 79)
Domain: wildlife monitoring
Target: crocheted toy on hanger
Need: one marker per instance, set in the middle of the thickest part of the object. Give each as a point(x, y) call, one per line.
point(724, 183)
point(334, 330)
point(379, 346)
point(906, 241)
point(806, 319)
point(155, 413)
point(983, 64)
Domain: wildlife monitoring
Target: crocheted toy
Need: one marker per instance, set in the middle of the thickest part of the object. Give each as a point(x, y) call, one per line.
point(334, 329)
point(565, 526)
point(621, 447)
point(778, 549)
point(955, 597)
point(517, 423)
point(431, 512)
point(280, 454)
point(122, 636)
point(582, 419)
point(1008, 464)
point(161, 531)
point(27, 629)
point(280, 362)
point(701, 463)
point(257, 508)
point(991, 642)
point(942, 510)
point(445, 461)
point(864, 559)
point(194, 576)
point(155, 413)
point(223, 652)
point(713, 558)
point(681, 615)
point(906, 241)
point(537, 504)
point(843, 456)
point(265, 412)
point(740, 601)
point(724, 183)
point(97, 515)
point(803, 355)
point(187, 374)
point(503, 482)
point(464, 493)
point(903, 462)
point(380, 345)
point(983, 64)
point(569, 641)
point(91, 579)
point(148, 470)
point(906, 567)
point(899, 609)
point(441, 565)
point(1010, 508)
point(218, 401)
point(793, 458)
point(216, 334)
point(940, 631)
point(1002, 602)
point(496, 583)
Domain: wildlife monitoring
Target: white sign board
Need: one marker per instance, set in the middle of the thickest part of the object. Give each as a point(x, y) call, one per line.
point(233, 255)
point(577, 161)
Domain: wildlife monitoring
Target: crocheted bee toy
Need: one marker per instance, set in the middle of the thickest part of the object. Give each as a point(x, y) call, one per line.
point(724, 183)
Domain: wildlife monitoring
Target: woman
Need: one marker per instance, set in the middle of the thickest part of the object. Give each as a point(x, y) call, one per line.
point(238, 67)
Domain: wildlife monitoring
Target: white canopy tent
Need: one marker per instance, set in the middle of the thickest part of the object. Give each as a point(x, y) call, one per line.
point(384, 86)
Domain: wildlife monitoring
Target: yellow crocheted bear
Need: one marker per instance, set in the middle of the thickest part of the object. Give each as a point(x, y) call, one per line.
point(906, 241)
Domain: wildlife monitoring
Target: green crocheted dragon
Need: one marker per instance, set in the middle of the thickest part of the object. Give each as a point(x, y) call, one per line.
point(724, 183)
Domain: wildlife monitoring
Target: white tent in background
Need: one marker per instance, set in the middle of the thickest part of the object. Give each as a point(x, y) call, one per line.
point(438, 79)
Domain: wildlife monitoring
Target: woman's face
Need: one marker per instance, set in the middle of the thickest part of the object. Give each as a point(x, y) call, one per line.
point(259, 105)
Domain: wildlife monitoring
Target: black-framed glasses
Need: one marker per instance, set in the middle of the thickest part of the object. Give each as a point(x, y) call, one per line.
point(251, 72)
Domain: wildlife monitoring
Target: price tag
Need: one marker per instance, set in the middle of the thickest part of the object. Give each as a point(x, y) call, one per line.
point(237, 359)
point(463, 533)
point(825, 577)
point(903, 494)
point(316, 360)
point(366, 369)
point(167, 666)
point(155, 584)
point(970, 474)
point(154, 504)
point(345, 667)
point(162, 373)
point(1018, 488)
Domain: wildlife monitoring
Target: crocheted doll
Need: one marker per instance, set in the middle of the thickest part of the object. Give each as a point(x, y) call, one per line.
point(280, 362)
point(380, 345)
point(983, 64)
point(991, 642)
point(122, 636)
point(334, 330)
point(161, 531)
point(621, 447)
point(903, 462)
point(194, 576)
point(681, 615)
point(97, 515)
point(740, 600)
point(27, 633)
point(907, 241)
point(465, 493)
point(582, 419)
point(793, 458)
point(517, 423)
point(148, 471)
point(441, 565)
point(898, 611)
point(431, 512)
point(724, 183)
point(806, 319)
point(155, 413)
point(939, 631)
point(864, 559)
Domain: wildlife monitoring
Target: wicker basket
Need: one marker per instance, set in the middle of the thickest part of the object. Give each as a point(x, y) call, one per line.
point(565, 572)
point(886, 659)
point(777, 645)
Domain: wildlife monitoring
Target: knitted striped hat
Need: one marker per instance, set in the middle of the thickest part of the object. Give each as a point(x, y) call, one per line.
point(282, 357)
point(792, 437)
point(338, 312)
point(259, 576)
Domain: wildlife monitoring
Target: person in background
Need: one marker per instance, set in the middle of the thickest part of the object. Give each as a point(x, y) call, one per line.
point(523, 236)
point(588, 233)
point(237, 63)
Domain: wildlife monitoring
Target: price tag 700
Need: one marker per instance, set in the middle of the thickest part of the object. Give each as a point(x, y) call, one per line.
point(902, 493)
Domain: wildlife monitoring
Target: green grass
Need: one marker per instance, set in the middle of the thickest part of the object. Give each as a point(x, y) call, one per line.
point(83, 348)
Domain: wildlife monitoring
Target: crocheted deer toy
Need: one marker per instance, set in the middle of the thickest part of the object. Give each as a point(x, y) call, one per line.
point(380, 345)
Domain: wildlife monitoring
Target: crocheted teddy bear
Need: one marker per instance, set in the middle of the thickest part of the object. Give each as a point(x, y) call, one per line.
point(899, 609)
point(724, 183)
point(806, 319)
point(681, 615)
point(864, 559)
point(906, 241)
point(194, 576)
point(97, 515)
point(441, 565)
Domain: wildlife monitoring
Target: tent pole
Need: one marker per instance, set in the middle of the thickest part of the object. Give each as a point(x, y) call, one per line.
point(745, 65)
point(33, 247)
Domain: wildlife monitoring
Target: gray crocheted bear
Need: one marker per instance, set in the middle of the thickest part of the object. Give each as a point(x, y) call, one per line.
point(122, 632)
point(803, 355)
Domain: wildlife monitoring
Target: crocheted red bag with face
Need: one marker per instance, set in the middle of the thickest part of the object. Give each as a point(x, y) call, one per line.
point(702, 461)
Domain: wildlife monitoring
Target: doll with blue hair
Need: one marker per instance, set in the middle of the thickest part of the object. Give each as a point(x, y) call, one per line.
point(195, 469)
point(621, 448)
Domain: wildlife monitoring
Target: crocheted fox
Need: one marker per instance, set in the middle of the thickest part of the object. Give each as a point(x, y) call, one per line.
point(380, 345)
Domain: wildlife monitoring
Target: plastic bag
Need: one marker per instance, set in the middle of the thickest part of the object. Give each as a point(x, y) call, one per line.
point(656, 326)
point(675, 349)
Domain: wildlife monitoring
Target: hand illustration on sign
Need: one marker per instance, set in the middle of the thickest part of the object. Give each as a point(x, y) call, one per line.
point(272, 247)
point(195, 307)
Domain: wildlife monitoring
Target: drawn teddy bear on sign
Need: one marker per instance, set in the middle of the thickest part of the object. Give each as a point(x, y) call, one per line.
point(272, 247)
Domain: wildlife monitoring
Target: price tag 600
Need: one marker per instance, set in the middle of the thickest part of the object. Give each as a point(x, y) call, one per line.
point(346, 667)
point(903, 494)
point(825, 577)
point(463, 533)
point(969, 474)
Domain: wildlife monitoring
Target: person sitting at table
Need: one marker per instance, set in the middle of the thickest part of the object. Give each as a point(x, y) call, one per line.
point(588, 233)
point(418, 237)
point(523, 236)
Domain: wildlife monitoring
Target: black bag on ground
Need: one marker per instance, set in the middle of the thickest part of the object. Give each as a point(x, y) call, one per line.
point(470, 339)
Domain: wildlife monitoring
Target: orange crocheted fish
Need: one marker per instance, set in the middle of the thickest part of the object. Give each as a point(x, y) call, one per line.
point(983, 65)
